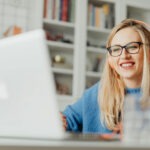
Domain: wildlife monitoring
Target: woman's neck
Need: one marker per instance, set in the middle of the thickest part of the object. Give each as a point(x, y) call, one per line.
point(132, 83)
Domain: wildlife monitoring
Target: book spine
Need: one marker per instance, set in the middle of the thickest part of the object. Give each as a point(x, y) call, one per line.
point(102, 18)
point(45, 9)
point(65, 10)
point(89, 14)
point(69, 10)
point(93, 16)
point(60, 9)
point(49, 9)
point(72, 12)
point(97, 16)
point(53, 9)
point(57, 9)
point(106, 10)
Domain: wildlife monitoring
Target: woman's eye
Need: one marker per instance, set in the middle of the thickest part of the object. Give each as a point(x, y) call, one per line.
point(116, 49)
point(132, 47)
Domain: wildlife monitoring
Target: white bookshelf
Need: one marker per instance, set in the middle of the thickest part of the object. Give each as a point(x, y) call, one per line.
point(65, 73)
point(88, 43)
point(95, 39)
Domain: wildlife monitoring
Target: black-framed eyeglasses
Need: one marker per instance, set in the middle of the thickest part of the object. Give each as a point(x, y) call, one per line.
point(132, 48)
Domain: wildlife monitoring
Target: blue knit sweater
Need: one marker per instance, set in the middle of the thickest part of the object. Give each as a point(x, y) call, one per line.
point(84, 115)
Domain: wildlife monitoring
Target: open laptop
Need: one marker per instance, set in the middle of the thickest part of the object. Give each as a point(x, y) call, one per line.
point(28, 105)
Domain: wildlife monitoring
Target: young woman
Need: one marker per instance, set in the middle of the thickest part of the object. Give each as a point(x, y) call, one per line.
point(126, 71)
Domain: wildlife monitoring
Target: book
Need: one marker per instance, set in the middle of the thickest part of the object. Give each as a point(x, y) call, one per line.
point(97, 16)
point(89, 14)
point(57, 9)
point(53, 9)
point(45, 9)
point(71, 11)
point(106, 10)
point(64, 10)
point(102, 18)
point(49, 9)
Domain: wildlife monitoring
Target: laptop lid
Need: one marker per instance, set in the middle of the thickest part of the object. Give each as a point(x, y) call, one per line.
point(28, 106)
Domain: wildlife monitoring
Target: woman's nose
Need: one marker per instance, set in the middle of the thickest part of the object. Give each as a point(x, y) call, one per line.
point(124, 54)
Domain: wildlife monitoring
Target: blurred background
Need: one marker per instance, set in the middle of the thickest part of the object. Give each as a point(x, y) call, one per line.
point(76, 33)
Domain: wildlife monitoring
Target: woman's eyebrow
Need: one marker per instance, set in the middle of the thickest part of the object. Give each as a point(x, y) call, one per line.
point(123, 45)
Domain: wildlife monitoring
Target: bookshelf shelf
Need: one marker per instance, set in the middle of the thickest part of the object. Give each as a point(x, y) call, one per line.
point(96, 50)
point(62, 71)
point(60, 45)
point(93, 74)
point(98, 30)
point(57, 23)
point(66, 97)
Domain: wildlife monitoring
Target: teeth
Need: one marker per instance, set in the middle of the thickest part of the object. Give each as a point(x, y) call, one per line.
point(127, 65)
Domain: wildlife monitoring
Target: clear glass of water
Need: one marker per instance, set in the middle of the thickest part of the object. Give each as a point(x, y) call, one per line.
point(136, 120)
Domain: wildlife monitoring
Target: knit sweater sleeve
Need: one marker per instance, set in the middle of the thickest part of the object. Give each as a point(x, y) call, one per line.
point(78, 115)
point(73, 115)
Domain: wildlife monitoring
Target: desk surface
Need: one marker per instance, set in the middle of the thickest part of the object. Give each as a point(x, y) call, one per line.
point(26, 144)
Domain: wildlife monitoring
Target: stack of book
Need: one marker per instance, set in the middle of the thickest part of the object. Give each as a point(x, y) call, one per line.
point(101, 16)
point(60, 10)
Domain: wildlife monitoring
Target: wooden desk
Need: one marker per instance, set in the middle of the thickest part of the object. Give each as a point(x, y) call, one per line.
point(24, 144)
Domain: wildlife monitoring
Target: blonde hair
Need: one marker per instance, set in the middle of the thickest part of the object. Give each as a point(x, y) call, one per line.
point(112, 90)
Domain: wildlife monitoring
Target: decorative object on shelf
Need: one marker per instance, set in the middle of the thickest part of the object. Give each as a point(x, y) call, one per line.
point(97, 64)
point(13, 30)
point(62, 88)
point(54, 37)
point(67, 41)
point(59, 61)
point(57, 37)
point(14, 16)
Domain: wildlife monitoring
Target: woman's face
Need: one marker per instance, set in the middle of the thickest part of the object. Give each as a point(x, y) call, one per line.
point(128, 66)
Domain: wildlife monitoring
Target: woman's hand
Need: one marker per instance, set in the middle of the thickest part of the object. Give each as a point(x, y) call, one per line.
point(119, 130)
point(63, 119)
point(116, 134)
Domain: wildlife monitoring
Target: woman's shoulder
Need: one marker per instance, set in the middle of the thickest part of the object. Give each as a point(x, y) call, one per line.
point(93, 88)
point(92, 92)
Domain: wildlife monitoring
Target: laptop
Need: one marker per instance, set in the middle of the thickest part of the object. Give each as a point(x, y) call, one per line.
point(28, 105)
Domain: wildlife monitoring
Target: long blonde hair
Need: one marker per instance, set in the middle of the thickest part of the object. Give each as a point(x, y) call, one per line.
point(112, 90)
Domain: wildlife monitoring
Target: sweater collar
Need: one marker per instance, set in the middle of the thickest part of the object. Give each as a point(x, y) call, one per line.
point(132, 90)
